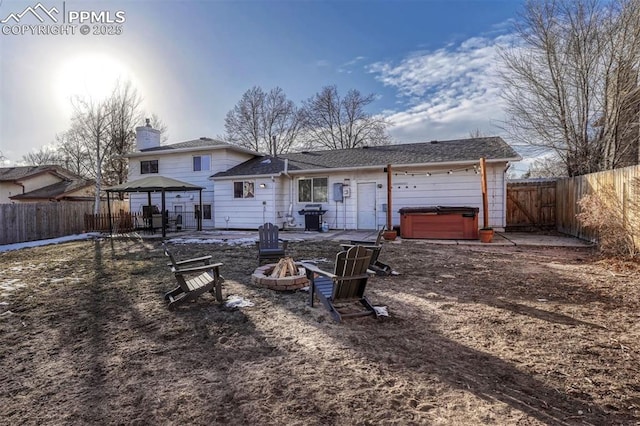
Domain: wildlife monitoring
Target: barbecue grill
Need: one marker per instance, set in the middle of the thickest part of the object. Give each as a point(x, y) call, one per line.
point(312, 216)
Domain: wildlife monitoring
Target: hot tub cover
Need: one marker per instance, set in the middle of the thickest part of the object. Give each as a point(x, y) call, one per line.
point(440, 210)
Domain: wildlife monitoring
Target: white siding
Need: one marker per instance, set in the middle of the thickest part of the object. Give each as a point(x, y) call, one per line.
point(8, 189)
point(180, 166)
point(414, 189)
point(245, 213)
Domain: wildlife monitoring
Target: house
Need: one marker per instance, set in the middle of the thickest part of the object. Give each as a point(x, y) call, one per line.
point(244, 189)
point(43, 183)
point(350, 185)
point(192, 161)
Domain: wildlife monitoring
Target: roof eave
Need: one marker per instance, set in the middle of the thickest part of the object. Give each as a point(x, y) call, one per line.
point(365, 168)
point(168, 151)
point(430, 164)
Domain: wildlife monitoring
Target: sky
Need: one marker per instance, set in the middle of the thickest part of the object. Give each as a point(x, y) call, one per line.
point(431, 63)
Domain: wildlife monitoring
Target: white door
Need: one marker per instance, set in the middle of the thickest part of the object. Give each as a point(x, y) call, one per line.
point(367, 205)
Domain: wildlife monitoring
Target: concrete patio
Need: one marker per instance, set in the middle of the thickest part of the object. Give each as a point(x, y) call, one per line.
point(500, 238)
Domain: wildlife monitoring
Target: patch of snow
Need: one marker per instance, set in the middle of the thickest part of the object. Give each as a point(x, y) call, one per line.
point(237, 241)
point(237, 302)
point(28, 244)
point(11, 285)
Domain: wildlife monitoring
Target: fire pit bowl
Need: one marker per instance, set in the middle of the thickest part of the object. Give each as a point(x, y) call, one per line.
point(286, 275)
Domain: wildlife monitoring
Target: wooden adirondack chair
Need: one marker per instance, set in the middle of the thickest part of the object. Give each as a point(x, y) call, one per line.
point(345, 286)
point(195, 277)
point(375, 246)
point(268, 243)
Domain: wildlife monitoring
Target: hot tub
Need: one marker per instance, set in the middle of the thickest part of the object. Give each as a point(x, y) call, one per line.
point(439, 222)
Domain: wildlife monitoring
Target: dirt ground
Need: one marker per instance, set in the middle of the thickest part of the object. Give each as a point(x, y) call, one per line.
point(475, 335)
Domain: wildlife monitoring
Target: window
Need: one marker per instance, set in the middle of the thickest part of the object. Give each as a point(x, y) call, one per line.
point(243, 189)
point(201, 162)
point(312, 190)
point(150, 166)
point(206, 211)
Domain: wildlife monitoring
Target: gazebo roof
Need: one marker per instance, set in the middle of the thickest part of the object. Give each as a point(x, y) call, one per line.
point(154, 183)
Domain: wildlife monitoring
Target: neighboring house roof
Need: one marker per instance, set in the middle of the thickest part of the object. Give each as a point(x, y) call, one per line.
point(57, 191)
point(154, 183)
point(434, 152)
point(11, 174)
point(192, 145)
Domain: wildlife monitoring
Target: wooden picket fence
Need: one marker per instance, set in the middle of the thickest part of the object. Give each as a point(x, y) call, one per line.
point(120, 222)
point(124, 221)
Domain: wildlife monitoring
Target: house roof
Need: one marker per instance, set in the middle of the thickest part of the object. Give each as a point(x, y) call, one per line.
point(154, 183)
point(191, 145)
point(56, 191)
point(434, 152)
point(195, 143)
point(10, 174)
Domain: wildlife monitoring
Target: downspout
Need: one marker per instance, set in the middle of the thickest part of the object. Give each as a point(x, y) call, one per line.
point(20, 184)
point(286, 173)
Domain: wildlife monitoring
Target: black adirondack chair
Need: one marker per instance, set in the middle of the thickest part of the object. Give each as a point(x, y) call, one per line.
point(269, 245)
point(375, 265)
point(342, 292)
point(195, 277)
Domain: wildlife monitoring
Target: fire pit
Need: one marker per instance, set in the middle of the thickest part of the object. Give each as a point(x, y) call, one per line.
point(281, 276)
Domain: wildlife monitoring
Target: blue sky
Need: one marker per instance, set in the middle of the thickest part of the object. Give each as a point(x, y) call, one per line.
point(431, 63)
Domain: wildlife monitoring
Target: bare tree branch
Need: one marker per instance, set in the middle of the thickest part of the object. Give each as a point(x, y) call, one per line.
point(572, 84)
point(264, 122)
point(338, 123)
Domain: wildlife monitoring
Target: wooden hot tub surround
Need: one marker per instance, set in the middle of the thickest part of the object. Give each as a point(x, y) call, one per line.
point(439, 222)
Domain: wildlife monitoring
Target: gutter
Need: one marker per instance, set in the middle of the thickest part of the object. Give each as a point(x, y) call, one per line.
point(288, 173)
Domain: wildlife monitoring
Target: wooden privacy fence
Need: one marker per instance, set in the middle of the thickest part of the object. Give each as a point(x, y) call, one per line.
point(621, 185)
point(531, 204)
point(21, 222)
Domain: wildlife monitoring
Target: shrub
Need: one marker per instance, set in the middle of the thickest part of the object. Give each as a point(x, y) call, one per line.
point(605, 213)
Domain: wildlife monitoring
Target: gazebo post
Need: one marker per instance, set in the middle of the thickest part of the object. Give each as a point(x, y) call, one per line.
point(200, 215)
point(109, 213)
point(164, 225)
point(150, 210)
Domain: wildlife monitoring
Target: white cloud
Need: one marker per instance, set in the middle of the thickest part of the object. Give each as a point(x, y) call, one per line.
point(446, 93)
point(348, 66)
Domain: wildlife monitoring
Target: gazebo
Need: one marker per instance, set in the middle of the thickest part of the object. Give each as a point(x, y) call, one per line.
point(151, 184)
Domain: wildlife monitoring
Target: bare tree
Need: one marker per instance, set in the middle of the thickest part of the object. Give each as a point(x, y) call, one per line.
point(337, 123)
point(74, 152)
point(264, 122)
point(91, 121)
point(46, 155)
point(477, 133)
point(568, 81)
point(157, 123)
point(123, 111)
point(546, 167)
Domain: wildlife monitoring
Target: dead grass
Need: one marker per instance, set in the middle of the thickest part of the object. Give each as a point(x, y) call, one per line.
point(476, 335)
